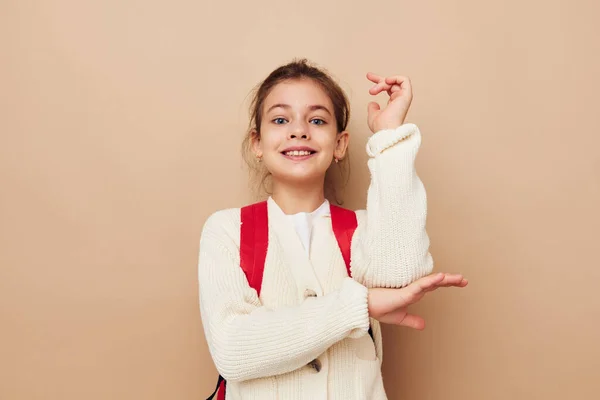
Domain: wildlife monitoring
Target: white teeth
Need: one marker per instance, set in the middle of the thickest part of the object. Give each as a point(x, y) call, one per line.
point(297, 153)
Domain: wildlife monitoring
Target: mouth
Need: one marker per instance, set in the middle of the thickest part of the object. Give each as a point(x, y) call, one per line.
point(298, 154)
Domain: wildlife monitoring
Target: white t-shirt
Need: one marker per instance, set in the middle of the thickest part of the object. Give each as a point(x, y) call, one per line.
point(303, 222)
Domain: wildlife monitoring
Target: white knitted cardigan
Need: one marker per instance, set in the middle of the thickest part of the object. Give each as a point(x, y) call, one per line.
point(306, 336)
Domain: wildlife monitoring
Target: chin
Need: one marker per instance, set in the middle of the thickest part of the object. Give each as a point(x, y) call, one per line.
point(299, 173)
point(301, 179)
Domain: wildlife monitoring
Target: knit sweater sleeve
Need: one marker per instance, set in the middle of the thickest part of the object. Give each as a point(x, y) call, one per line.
point(390, 247)
point(248, 340)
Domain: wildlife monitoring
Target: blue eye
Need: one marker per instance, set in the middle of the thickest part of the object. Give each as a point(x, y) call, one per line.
point(317, 121)
point(279, 121)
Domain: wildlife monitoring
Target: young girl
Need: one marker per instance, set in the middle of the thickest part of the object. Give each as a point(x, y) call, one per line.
point(311, 331)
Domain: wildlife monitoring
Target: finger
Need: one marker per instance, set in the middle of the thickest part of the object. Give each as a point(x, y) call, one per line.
point(394, 91)
point(413, 321)
point(447, 281)
point(456, 280)
point(403, 81)
point(415, 291)
point(395, 88)
point(451, 280)
point(374, 77)
point(378, 88)
point(372, 109)
point(429, 281)
point(402, 318)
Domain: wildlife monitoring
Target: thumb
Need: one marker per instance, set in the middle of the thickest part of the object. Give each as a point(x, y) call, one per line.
point(372, 111)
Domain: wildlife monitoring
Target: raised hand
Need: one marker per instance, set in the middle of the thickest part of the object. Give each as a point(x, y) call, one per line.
point(394, 113)
point(389, 305)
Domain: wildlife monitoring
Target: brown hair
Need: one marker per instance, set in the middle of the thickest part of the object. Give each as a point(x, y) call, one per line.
point(296, 70)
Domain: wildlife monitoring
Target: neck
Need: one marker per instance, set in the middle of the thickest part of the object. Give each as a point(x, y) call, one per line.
point(293, 198)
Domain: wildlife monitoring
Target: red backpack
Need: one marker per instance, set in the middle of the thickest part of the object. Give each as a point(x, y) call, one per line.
point(254, 240)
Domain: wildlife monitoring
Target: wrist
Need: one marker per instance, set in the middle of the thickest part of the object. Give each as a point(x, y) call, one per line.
point(382, 140)
point(388, 126)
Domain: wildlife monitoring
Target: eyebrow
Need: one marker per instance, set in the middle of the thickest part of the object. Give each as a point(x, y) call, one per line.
point(311, 108)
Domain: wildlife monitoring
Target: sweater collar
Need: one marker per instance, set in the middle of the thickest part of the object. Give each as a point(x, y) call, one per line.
point(322, 211)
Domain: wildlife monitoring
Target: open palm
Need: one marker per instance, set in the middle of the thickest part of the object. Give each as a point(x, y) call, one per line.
point(389, 306)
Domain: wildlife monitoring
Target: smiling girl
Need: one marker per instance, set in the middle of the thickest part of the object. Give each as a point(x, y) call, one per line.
point(292, 290)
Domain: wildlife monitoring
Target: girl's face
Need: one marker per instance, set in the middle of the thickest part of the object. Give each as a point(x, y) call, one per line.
point(298, 138)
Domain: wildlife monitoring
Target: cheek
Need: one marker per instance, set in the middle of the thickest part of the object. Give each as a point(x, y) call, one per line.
point(327, 146)
point(270, 141)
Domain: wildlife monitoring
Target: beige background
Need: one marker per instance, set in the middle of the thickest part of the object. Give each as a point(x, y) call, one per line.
point(120, 127)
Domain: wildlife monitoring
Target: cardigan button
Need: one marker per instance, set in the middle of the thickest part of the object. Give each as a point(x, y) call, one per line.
point(309, 293)
point(315, 364)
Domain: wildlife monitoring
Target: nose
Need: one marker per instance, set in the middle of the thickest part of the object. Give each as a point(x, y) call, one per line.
point(298, 130)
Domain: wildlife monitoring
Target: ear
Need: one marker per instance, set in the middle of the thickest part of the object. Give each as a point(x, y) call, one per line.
point(341, 145)
point(255, 143)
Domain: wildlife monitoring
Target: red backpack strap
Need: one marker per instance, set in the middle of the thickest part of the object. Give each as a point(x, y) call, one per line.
point(254, 240)
point(222, 387)
point(344, 224)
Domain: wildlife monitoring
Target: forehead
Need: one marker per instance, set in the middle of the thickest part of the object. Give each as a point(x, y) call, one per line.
point(298, 93)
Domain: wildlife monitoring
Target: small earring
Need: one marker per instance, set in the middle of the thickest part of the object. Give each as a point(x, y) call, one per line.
point(337, 160)
point(258, 158)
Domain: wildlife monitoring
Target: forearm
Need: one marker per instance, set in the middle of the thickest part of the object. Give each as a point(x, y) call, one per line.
point(248, 342)
point(392, 245)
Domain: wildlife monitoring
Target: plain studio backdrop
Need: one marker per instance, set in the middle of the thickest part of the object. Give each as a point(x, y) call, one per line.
point(121, 124)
